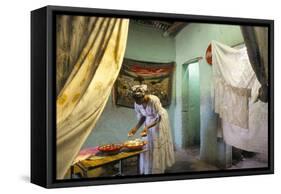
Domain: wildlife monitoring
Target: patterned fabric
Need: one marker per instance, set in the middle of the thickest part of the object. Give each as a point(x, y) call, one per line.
point(160, 154)
point(72, 35)
point(86, 90)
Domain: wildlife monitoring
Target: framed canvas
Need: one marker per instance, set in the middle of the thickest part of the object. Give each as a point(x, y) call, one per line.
point(125, 96)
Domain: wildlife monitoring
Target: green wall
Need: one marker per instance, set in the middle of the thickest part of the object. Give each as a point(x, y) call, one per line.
point(192, 42)
point(148, 44)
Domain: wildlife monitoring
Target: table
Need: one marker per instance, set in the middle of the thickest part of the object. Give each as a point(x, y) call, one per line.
point(95, 161)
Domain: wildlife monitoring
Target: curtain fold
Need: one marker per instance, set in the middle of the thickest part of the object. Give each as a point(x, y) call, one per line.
point(256, 40)
point(87, 68)
point(72, 35)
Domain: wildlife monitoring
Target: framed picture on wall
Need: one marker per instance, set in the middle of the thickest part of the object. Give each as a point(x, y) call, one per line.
point(126, 96)
point(157, 77)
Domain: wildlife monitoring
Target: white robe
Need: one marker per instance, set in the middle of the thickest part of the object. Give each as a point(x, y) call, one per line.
point(160, 154)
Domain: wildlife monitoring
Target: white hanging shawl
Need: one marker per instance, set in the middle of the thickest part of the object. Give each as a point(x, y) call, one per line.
point(235, 88)
point(233, 78)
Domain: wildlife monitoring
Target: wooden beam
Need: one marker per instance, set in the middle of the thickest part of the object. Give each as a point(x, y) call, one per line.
point(174, 29)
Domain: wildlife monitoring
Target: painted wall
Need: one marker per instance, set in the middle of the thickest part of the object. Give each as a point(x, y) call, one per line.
point(184, 137)
point(113, 125)
point(148, 44)
point(145, 44)
point(192, 42)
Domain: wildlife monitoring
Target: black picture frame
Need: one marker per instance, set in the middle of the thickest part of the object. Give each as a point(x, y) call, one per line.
point(43, 96)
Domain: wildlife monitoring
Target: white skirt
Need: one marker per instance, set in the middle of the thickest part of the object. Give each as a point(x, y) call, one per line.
point(160, 149)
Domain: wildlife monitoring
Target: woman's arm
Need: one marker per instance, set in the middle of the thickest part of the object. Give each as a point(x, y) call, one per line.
point(154, 123)
point(145, 130)
point(141, 121)
point(139, 124)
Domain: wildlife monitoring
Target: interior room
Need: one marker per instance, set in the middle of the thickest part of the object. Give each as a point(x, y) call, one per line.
point(202, 139)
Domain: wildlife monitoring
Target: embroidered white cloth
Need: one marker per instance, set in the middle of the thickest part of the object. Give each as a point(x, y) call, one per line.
point(233, 78)
point(255, 138)
point(235, 90)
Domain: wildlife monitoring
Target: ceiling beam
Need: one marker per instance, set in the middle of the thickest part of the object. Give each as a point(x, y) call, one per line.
point(174, 29)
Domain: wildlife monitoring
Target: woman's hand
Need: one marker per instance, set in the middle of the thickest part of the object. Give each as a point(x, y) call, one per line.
point(144, 132)
point(132, 132)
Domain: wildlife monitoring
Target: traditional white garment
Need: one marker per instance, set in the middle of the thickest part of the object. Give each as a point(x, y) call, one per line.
point(160, 154)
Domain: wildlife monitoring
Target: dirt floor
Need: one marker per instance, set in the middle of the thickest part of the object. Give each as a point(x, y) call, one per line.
point(186, 161)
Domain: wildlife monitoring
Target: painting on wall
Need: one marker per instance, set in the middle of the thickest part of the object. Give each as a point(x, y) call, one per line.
point(157, 77)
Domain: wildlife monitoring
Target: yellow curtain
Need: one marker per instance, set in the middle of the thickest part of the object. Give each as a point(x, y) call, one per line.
point(87, 87)
point(72, 35)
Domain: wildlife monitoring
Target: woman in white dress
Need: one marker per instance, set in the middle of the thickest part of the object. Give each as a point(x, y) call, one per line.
point(157, 132)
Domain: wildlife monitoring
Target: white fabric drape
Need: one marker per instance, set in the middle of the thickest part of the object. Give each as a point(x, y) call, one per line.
point(255, 138)
point(235, 87)
point(86, 91)
point(233, 79)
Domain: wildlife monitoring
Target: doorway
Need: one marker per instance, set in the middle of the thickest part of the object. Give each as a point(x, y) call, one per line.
point(191, 104)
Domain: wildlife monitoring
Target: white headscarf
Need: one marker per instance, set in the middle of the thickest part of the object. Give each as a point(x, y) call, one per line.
point(139, 90)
